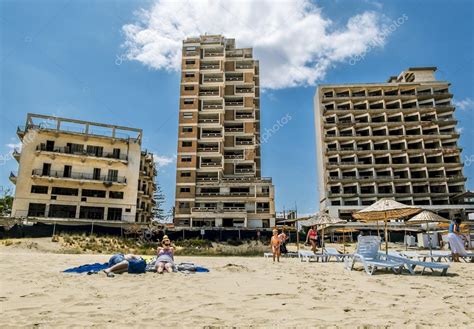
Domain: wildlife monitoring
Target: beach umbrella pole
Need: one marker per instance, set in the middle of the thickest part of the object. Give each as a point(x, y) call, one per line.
point(386, 235)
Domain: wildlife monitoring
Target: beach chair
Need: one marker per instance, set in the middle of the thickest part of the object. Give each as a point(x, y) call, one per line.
point(309, 256)
point(435, 256)
point(332, 252)
point(368, 254)
point(411, 264)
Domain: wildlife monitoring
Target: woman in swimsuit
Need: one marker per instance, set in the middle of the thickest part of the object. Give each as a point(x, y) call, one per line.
point(312, 236)
point(275, 243)
point(165, 253)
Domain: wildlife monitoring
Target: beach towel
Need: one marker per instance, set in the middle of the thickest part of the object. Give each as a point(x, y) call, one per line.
point(88, 268)
point(190, 267)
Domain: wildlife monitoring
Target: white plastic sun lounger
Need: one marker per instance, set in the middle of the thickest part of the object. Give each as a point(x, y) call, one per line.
point(411, 264)
point(308, 256)
point(332, 252)
point(368, 254)
point(436, 256)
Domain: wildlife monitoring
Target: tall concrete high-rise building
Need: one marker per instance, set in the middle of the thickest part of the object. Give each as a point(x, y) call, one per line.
point(81, 170)
point(218, 176)
point(396, 139)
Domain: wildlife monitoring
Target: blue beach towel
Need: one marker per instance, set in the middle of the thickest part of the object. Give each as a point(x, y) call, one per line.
point(88, 268)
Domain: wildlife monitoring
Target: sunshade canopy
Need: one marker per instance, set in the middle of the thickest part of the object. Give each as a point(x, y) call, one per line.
point(426, 216)
point(385, 209)
point(321, 219)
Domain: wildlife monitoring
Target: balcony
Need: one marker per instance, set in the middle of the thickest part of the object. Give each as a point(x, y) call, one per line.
point(234, 129)
point(208, 149)
point(233, 156)
point(79, 176)
point(263, 210)
point(233, 78)
point(211, 164)
point(233, 209)
point(244, 142)
point(208, 92)
point(244, 170)
point(203, 209)
point(208, 79)
point(211, 135)
point(244, 115)
point(234, 103)
point(243, 66)
point(207, 178)
point(13, 177)
point(243, 90)
point(212, 106)
point(209, 120)
point(16, 154)
point(68, 151)
point(215, 66)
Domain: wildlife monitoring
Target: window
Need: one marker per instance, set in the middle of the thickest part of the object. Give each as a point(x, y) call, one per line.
point(183, 205)
point(116, 153)
point(93, 193)
point(191, 48)
point(46, 169)
point(114, 214)
point(37, 209)
point(115, 195)
point(185, 189)
point(62, 211)
point(190, 62)
point(74, 148)
point(96, 174)
point(185, 174)
point(188, 87)
point(187, 129)
point(50, 146)
point(95, 150)
point(112, 175)
point(187, 115)
point(186, 158)
point(39, 189)
point(91, 212)
point(64, 191)
point(67, 171)
point(188, 101)
point(186, 144)
point(189, 75)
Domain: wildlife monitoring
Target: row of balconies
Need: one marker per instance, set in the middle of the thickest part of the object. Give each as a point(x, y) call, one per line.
point(382, 92)
point(408, 119)
point(453, 178)
point(408, 200)
point(390, 159)
point(78, 149)
point(381, 105)
point(379, 133)
point(79, 176)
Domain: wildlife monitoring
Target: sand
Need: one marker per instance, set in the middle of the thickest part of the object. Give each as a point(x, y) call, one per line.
point(241, 292)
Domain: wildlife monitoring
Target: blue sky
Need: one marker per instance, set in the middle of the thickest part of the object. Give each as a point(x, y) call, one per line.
point(75, 59)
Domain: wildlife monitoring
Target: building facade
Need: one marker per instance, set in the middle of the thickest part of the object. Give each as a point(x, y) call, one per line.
point(72, 169)
point(218, 176)
point(396, 139)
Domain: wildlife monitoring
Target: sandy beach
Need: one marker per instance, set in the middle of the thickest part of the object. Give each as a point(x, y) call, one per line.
point(241, 292)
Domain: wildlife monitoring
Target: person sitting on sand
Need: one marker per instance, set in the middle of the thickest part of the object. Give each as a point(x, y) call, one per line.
point(455, 238)
point(283, 237)
point(312, 236)
point(120, 263)
point(275, 244)
point(165, 253)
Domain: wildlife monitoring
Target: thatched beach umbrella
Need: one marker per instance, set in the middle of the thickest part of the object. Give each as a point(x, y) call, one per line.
point(427, 217)
point(323, 219)
point(385, 209)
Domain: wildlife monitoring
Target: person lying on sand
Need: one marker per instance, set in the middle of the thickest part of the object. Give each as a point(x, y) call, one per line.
point(275, 244)
point(165, 253)
point(120, 263)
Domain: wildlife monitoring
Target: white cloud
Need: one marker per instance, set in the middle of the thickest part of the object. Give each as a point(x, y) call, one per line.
point(295, 43)
point(13, 146)
point(163, 161)
point(464, 104)
point(460, 130)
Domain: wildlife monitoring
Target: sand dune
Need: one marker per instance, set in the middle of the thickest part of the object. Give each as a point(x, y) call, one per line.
point(243, 292)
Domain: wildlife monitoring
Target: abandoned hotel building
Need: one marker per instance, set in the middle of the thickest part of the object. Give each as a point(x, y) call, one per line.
point(80, 170)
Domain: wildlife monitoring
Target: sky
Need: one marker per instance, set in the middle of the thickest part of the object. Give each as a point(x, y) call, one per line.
point(117, 62)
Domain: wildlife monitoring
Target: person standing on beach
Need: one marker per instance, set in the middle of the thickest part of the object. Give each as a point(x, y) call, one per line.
point(455, 239)
point(283, 237)
point(275, 244)
point(312, 236)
